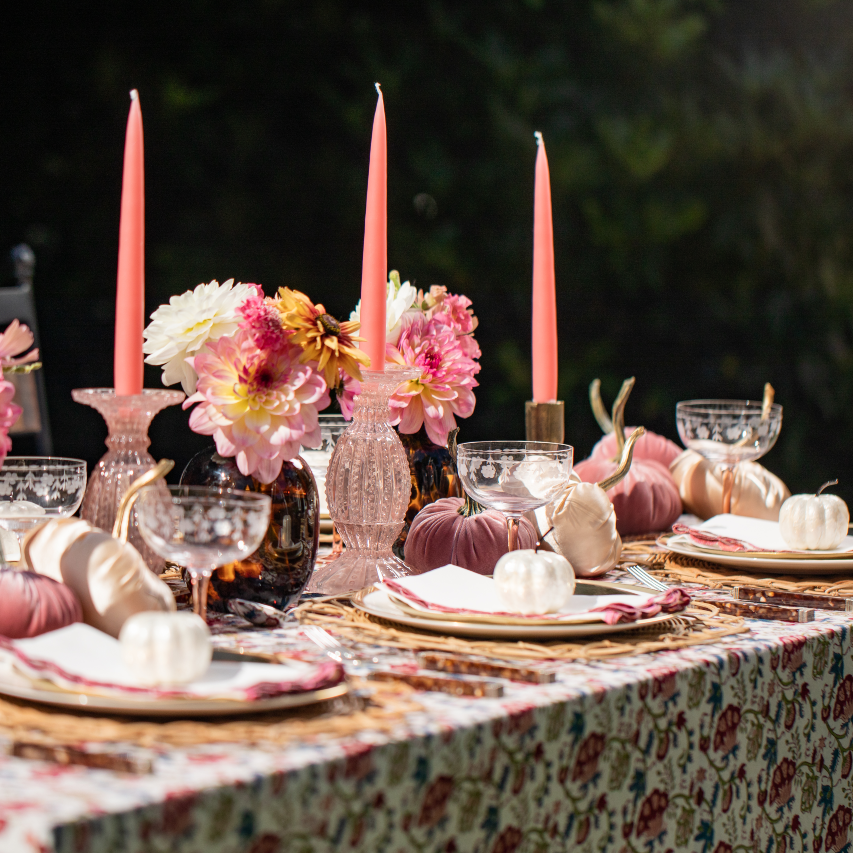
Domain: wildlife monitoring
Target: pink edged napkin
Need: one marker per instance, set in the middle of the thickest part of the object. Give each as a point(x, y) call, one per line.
point(81, 658)
point(738, 533)
point(452, 589)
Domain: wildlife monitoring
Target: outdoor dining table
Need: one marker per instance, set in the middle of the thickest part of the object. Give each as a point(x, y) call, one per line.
point(744, 744)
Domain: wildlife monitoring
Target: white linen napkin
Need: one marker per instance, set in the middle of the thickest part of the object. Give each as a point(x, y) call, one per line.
point(80, 657)
point(759, 532)
point(452, 589)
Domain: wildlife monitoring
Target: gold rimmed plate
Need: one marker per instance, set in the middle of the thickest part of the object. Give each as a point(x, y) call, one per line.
point(799, 563)
point(378, 603)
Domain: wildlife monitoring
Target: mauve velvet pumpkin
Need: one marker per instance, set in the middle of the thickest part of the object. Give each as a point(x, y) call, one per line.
point(645, 501)
point(32, 604)
point(648, 446)
point(440, 535)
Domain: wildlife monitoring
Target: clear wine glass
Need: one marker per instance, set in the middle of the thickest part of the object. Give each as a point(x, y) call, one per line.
point(514, 476)
point(35, 489)
point(202, 529)
point(727, 432)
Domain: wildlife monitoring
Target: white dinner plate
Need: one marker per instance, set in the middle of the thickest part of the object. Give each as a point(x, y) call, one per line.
point(21, 688)
point(378, 603)
point(792, 564)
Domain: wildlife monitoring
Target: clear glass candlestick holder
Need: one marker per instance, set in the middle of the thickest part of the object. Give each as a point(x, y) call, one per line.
point(368, 485)
point(127, 456)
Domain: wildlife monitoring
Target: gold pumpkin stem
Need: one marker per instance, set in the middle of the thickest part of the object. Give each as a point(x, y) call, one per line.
point(121, 527)
point(619, 415)
point(826, 485)
point(598, 409)
point(767, 403)
point(625, 462)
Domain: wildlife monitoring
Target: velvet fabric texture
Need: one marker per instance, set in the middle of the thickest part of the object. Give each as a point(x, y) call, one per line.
point(650, 445)
point(440, 536)
point(31, 604)
point(756, 492)
point(646, 500)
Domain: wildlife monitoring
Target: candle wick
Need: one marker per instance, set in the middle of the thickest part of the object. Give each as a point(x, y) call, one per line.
point(538, 136)
point(134, 95)
point(378, 90)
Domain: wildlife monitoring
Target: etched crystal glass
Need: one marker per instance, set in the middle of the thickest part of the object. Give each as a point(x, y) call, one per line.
point(727, 432)
point(514, 476)
point(35, 489)
point(202, 529)
point(127, 456)
point(368, 485)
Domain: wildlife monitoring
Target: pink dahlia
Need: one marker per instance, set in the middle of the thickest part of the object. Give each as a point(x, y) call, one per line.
point(9, 413)
point(259, 405)
point(262, 319)
point(14, 341)
point(444, 388)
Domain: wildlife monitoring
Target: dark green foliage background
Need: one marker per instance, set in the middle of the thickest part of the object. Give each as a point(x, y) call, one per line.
point(702, 170)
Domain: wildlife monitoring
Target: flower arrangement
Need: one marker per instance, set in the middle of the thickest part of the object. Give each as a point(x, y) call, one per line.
point(15, 340)
point(433, 330)
point(258, 369)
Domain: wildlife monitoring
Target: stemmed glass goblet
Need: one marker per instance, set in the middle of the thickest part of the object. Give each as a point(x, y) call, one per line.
point(514, 476)
point(202, 529)
point(727, 432)
point(35, 489)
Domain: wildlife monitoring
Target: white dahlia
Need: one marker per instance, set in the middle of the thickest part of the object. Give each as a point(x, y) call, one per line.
point(181, 328)
point(399, 299)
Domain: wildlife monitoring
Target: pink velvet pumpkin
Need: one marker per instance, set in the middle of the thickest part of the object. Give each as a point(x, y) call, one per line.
point(652, 446)
point(32, 604)
point(461, 532)
point(645, 501)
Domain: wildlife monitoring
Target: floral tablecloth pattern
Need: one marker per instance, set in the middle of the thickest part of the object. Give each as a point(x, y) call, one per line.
point(744, 746)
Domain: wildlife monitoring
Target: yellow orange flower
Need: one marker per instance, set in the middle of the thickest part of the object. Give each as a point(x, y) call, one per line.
point(323, 338)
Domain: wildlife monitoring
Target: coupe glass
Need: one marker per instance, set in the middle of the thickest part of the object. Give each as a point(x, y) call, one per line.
point(514, 476)
point(35, 489)
point(202, 529)
point(727, 432)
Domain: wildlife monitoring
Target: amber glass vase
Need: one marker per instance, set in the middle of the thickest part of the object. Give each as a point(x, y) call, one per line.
point(277, 572)
point(433, 477)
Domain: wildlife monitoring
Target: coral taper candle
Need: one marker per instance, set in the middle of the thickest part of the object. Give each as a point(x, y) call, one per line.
point(374, 269)
point(544, 291)
point(130, 286)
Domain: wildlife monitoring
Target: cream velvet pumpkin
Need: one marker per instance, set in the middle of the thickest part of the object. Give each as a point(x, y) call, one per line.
point(814, 522)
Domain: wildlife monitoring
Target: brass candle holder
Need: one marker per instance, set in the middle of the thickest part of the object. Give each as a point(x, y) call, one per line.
point(545, 421)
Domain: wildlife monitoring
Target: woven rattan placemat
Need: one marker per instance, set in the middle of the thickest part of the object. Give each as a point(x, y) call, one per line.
point(701, 624)
point(384, 708)
point(677, 568)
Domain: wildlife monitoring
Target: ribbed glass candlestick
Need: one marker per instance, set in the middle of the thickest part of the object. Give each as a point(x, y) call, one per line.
point(368, 485)
point(127, 456)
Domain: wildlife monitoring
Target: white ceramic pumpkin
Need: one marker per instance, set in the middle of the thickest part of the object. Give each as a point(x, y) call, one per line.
point(814, 522)
point(534, 581)
point(166, 648)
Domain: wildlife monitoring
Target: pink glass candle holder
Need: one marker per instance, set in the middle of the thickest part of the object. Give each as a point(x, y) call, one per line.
point(368, 486)
point(127, 456)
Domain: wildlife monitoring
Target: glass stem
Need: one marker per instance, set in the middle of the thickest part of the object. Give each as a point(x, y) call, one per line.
point(728, 486)
point(512, 532)
point(200, 584)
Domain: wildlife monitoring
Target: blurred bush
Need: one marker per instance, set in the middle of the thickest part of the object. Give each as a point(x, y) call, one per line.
point(701, 158)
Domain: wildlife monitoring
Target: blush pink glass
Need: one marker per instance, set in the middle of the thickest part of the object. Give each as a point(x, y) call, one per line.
point(127, 456)
point(368, 486)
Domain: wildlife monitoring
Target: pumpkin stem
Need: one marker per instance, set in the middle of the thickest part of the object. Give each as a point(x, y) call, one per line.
point(625, 463)
point(451, 446)
point(598, 409)
point(619, 415)
point(541, 539)
point(827, 485)
point(470, 507)
point(767, 403)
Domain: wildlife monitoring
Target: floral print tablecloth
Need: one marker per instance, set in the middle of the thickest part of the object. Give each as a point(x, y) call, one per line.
point(742, 746)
